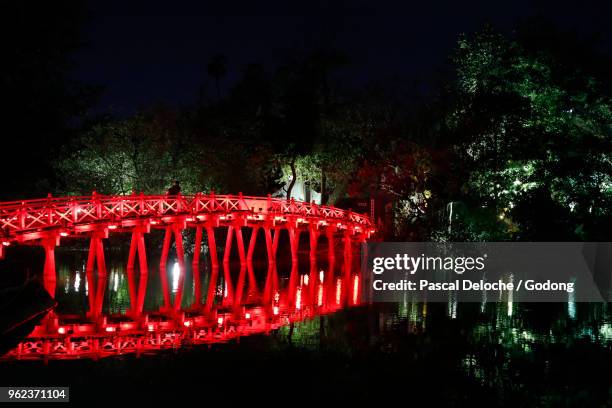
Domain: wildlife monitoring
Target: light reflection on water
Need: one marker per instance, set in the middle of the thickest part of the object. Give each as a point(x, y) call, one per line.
point(507, 318)
point(490, 343)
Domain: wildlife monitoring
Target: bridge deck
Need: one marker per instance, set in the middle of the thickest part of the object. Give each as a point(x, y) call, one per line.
point(22, 221)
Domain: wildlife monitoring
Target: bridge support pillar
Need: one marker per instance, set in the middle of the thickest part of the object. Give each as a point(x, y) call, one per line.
point(252, 243)
point(331, 258)
point(294, 240)
point(96, 286)
point(240, 287)
point(271, 284)
point(314, 243)
point(175, 230)
point(228, 292)
point(271, 244)
point(214, 260)
point(331, 245)
point(195, 268)
point(348, 265)
point(137, 292)
point(246, 266)
point(49, 277)
point(250, 270)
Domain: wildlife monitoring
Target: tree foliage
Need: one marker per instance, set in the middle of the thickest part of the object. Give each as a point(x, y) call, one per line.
point(533, 137)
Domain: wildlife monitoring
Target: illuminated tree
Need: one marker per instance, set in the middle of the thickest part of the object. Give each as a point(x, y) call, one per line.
point(535, 139)
point(144, 153)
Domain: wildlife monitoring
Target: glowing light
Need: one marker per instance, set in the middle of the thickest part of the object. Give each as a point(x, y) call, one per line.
point(338, 291)
point(275, 310)
point(189, 219)
point(6, 243)
point(321, 276)
point(306, 279)
point(320, 296)
point(150, 327)
point(112, 227)
point(115, 278)
point(63, 234)
point(61, 330)
point(176, 272)
point(220, 321)
point(110, 329)
point(571, 304)
point(247, 315)
point(153, 222)
point(355, 289)
point(77, 282)
point(510, 298)
point(298, 299)
point(187, 323)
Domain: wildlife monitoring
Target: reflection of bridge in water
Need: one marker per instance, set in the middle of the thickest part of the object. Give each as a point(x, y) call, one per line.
point(59, 338)
point(45, 222)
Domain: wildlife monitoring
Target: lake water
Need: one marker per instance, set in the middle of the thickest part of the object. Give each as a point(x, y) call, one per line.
point(467, 354)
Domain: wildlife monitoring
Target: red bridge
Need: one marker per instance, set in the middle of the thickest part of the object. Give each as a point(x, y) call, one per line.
point(46, 221)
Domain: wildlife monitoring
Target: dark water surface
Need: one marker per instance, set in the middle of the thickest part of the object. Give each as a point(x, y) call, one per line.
point(495, 354)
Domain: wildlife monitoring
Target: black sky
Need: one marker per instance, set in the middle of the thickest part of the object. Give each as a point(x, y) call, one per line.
point(148, 53)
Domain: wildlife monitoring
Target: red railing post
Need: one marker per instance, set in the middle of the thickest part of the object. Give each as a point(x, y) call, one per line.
point(97, 204)
point(72, 205)
point(49, 210)
point(23, 213)
point(213, 202)
point(142, 204)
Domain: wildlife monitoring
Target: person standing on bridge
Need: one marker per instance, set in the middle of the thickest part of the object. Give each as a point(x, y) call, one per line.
point(175, 189)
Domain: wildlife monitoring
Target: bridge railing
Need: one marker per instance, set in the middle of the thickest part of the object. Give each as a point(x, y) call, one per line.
point(49, 212)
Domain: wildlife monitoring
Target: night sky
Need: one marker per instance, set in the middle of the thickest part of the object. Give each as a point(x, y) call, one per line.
point(161, 57)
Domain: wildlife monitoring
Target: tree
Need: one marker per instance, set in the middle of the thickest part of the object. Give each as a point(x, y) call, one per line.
point(40, 103)
point(535, 138)
point(143, 153)
point(217, 68)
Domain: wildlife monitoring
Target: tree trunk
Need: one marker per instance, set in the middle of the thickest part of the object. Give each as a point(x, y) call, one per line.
point(293, 177)
point(323, 187)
